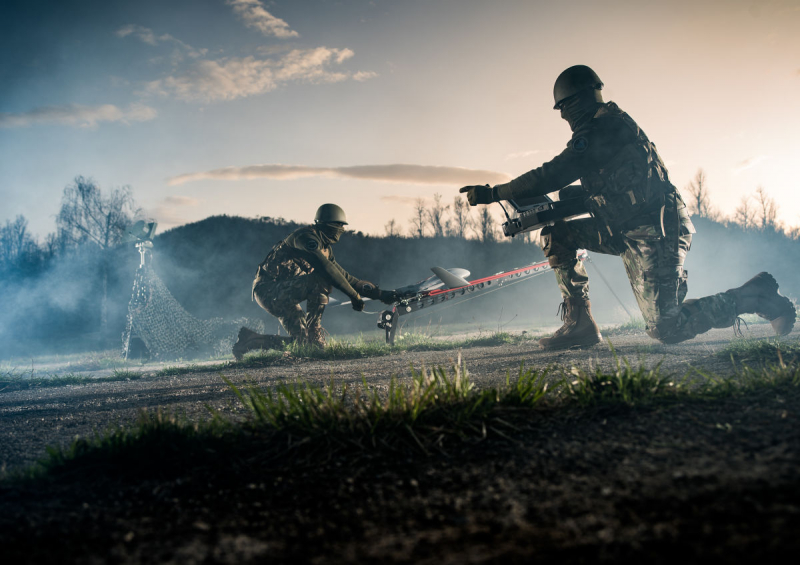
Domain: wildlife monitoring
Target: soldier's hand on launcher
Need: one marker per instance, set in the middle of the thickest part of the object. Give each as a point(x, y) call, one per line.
point(369, 290)
point(479, 194)
point(357, 304)
point(389, 297)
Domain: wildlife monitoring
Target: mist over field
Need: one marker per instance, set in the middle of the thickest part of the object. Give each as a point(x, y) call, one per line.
point(209, 266)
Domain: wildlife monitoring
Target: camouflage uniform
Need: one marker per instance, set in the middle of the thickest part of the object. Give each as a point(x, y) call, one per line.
point(301, 267)
point(637, 214)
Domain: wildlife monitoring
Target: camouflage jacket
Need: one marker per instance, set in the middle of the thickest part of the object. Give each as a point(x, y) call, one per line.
point(623, 177)
point(301, 253)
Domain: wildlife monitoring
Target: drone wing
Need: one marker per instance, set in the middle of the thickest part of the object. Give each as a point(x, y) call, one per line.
point(452, 278)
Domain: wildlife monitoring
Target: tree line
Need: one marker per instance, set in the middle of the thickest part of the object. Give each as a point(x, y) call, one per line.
point(756, 211)
point(437, 219)
point(90, 218)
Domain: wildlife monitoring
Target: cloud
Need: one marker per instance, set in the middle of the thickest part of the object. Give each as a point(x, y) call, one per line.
point(362, 76)
point(77, 115)
point(228, 79)
point(181, 201)
point(415, 174)
point(749, 163)
point(148, 36)
point(255, 16)
point(142, 33)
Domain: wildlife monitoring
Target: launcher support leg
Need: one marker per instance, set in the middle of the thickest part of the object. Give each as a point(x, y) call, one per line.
point(388, 321)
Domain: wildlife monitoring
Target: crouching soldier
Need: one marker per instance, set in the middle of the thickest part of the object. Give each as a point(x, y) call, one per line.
point(302, 267)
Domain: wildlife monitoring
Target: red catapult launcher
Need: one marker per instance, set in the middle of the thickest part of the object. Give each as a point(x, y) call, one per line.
point(449, 285)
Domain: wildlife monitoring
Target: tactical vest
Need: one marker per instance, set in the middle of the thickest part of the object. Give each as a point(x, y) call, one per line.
point(633, 188)
point(285, 261)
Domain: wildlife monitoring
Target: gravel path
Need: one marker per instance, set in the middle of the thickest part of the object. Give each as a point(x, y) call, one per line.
point(34, 418)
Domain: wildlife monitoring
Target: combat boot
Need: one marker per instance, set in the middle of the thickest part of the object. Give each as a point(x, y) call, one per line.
point(248, 340)
point(316, 336)
point(760, 296)
point(579, 329)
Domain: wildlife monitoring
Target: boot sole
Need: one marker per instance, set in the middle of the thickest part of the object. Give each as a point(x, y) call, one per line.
point(784, 324)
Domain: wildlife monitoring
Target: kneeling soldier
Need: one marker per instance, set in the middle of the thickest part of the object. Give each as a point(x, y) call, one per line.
point(638, 214)
point(302, 267)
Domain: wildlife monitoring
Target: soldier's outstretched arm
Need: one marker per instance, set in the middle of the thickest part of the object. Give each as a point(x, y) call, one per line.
point(350, 278)
point(311, 247)
point(366, 288)
point(585, 152)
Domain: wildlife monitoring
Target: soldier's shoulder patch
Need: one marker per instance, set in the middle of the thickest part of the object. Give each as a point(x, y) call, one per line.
point(311, 244)
point(580, 144)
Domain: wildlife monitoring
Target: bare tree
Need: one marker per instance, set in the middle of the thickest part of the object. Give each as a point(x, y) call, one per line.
point(17, 247)
point(87, 217)
point(53, 245)
point(485, 229)
point(766, 210)
point(419, 220)
point(700, 202)
point(436, 217)
point(392, 228)
point(744, 215)
point(462, 219)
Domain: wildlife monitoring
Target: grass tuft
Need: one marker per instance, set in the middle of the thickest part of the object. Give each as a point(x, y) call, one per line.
point(762, 351)
point(635, 324)
point(11, 381)
point(156, 439)
point(337, 349)
point(175, 371)
point(624, 384)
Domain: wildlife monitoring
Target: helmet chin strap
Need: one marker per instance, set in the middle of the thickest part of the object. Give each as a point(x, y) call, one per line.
point(330, 231)
point(577, 110)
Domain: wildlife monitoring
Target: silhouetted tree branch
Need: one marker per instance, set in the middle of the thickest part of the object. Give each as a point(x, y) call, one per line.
point(89, 217)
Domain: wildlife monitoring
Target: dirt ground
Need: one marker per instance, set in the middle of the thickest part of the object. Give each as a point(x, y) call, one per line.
point(696, 481)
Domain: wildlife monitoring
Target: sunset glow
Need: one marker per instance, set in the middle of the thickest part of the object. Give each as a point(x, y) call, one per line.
point(271, 108)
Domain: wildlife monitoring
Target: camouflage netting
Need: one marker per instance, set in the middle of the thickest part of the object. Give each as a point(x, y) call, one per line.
point(167, 330)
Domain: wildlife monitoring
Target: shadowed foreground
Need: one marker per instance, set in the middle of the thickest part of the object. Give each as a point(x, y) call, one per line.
point(689, 477)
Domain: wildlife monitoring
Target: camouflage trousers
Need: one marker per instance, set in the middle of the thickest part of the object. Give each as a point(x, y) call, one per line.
point(654, 263)
point(282, 299)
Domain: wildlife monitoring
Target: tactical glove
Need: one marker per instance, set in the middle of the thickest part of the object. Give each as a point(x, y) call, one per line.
point(366, 288)
point(388, 297)
point(479, 194)
point(358, 304)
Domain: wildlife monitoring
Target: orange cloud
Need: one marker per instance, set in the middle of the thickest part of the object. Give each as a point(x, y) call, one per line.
point(406, 173)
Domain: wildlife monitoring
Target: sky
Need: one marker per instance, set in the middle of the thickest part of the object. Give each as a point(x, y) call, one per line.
point(271, 108)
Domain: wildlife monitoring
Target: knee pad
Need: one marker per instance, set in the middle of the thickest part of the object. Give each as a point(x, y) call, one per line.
point(556, 245)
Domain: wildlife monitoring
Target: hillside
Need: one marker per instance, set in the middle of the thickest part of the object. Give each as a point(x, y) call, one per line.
point(209, 266)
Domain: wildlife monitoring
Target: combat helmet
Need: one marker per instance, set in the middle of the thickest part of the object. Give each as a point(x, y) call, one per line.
point(330, 213)
point(572, 81)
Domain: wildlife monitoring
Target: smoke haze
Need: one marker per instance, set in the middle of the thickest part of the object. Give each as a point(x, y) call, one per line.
point(209, 266)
